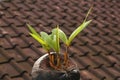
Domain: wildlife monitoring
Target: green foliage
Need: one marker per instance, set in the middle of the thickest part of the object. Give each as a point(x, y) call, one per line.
point(68, 41)
point(52, 41)
point(55, 39)
point(47, 41)
point(77, 31)
point(63, 36)
point(37, 37)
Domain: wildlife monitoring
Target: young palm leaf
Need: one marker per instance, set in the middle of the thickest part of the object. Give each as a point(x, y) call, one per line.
point(55, 37)
point(37, 37)
point(88, 14)
point(48, 39)
point(33, 31)
point(78, 30)
point(63, 36)
point(57, 40)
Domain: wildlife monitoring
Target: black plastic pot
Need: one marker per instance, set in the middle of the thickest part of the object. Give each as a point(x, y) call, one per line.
point(38, 73)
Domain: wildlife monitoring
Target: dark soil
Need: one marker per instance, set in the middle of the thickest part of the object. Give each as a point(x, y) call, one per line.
point(46, 66)
point(48, 73)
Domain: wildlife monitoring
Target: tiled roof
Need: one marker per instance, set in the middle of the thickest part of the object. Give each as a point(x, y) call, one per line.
point(96, 50)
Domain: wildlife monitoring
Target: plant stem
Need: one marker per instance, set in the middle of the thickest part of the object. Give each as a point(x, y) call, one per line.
point(50, 58)
point(58, 60)
point(49, 55)
point(51, 62)
point(66, 56)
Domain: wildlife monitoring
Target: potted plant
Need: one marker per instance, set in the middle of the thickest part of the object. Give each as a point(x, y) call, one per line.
point(56, 65)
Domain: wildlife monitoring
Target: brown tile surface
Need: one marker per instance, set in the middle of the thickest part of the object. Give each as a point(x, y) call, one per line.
point(96, 50)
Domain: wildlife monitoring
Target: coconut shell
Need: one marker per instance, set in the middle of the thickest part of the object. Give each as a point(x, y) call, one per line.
point(42, 71)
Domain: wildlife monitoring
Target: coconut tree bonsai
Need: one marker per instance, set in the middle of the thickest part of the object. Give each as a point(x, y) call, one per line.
point(56, 65)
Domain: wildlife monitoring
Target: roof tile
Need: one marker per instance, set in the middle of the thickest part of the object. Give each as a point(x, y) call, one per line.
point(95, 50)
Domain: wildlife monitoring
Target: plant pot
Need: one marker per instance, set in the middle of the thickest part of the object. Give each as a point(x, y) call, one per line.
point(40, 72)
